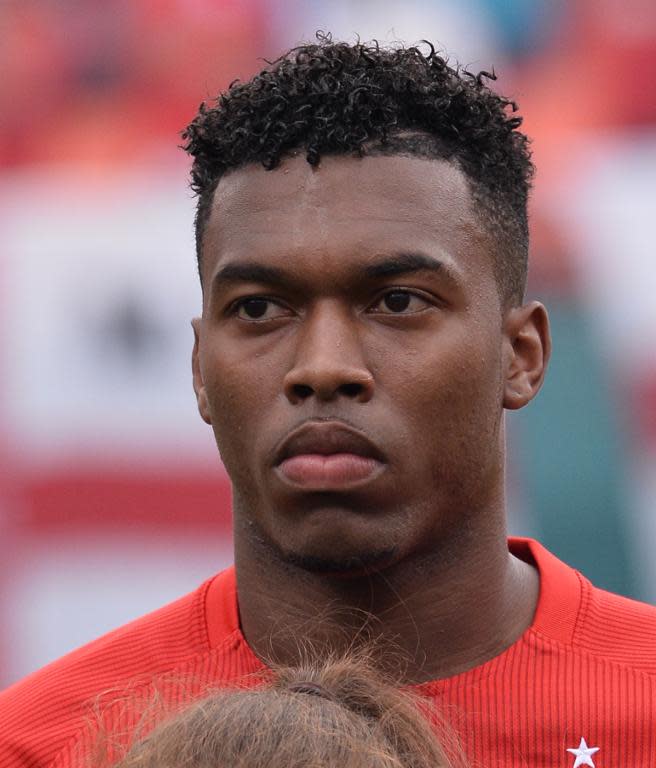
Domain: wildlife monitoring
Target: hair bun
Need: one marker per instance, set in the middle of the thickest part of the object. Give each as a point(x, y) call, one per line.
point(312, 689)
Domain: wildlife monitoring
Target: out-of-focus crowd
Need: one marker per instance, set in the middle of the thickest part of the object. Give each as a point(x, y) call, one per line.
point(85, 80)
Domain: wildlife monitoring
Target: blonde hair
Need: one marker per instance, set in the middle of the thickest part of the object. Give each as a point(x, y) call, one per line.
point(334, 714)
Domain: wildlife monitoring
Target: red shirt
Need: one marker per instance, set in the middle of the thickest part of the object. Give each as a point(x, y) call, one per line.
point(582, 678)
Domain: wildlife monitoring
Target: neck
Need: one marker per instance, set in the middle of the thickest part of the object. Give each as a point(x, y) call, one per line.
point(434, 615)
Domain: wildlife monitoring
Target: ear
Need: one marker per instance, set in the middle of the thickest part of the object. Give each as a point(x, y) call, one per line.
point(527, 348)
point(199, 386)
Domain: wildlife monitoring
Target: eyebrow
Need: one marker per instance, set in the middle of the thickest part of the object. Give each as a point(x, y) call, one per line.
point(389, 266)
point(249, 272)
point(404, 263)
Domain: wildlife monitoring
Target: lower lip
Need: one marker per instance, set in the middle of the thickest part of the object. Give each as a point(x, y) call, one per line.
point(337, 470)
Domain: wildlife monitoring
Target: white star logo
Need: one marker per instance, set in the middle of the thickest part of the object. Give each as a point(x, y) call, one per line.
point(583, 754)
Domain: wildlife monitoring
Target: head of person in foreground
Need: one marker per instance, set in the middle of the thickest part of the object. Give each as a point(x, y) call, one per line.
point(337, 714)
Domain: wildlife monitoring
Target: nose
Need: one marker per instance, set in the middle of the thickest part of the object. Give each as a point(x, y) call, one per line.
point(329, 362)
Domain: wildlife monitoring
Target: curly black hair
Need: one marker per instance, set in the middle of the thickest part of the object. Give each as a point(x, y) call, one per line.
point(339, 98)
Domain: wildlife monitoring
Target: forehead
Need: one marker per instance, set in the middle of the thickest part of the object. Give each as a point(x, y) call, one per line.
point(344, 210)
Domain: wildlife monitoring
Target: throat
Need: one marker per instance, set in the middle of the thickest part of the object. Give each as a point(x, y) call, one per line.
point(421, 620)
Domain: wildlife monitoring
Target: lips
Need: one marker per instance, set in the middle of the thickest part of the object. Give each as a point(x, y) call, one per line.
point(327, 456)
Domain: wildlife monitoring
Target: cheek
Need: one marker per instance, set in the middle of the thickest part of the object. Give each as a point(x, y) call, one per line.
point(240, 393)
point(455, 399)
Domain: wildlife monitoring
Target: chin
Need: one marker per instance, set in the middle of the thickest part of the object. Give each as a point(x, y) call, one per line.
point(330, 540)
point(342, 565)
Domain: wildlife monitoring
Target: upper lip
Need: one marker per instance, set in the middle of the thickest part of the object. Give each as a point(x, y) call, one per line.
point(326, 437)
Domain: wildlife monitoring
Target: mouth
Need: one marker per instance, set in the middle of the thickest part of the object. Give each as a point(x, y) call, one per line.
point(327, 456)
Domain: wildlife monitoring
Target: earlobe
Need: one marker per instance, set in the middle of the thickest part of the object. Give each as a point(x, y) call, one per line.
point(199, 386)
point(527, 351)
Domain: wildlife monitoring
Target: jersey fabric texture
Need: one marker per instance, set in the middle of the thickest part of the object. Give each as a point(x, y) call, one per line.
point(578, 688)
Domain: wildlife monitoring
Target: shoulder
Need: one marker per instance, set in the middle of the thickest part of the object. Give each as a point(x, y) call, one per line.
point(617, 629)
point(586, 620)
point(43, 712)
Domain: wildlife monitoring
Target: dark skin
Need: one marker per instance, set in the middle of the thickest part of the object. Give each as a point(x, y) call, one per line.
point(362, 294)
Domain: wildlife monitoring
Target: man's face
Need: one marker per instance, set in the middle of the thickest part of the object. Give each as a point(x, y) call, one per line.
point(349, 356)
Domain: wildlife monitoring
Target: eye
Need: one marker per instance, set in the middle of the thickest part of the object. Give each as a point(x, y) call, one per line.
point(400, 302)
point(259, 308)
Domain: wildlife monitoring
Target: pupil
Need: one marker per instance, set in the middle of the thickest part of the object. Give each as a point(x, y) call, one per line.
point(255, 307)
point(397, 301)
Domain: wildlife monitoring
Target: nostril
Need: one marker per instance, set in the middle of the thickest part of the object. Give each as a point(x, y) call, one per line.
point(302, 391)
point(352, 389)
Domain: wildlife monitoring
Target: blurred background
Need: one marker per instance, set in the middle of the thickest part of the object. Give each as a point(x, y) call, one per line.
point(112, 497)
